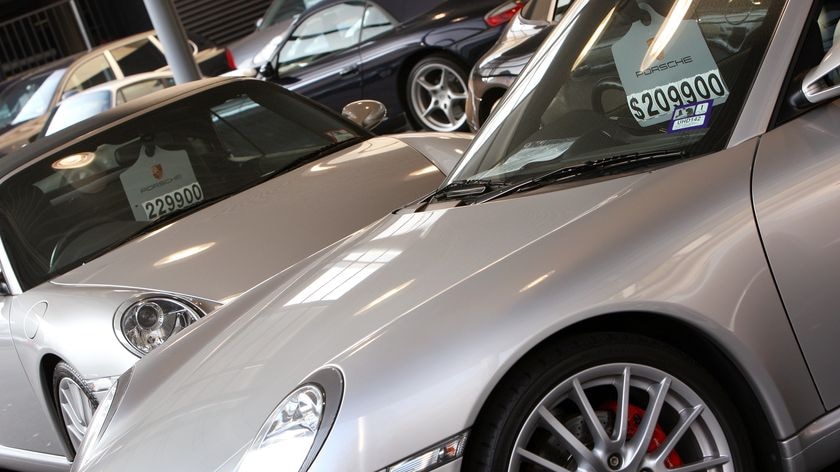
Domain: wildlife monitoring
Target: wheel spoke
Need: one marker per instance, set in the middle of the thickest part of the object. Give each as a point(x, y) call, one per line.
point(429, 109)
point(620, 428)
point(442, 82)
point(643, 436)
point(705, 464)
point(426, 85)
point(67, 407)
point(457, 96)
point(579, 451)
point(447, 110)
point(687, 418)
point(596, 429)
point(530, 456)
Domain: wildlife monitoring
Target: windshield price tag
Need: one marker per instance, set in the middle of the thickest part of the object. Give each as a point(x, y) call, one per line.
point(160, 184)
point(683, 73)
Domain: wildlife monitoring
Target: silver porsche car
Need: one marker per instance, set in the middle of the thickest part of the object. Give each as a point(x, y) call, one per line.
point(633, 268)
point(122, 230)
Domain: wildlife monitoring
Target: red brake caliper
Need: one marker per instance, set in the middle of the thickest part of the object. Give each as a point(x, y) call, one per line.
point(634, 418)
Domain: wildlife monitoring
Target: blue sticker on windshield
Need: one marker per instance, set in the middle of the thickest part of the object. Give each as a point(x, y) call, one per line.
point(692, 116)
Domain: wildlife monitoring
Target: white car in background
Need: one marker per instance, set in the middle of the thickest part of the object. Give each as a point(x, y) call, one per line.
point(88, 103)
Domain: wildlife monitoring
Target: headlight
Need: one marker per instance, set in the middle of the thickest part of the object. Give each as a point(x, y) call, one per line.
point(148, 323)
point(293, 434)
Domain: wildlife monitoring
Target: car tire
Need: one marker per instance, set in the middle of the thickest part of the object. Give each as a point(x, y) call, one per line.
point(436, 94)
point(74, 404)
point(546, 409)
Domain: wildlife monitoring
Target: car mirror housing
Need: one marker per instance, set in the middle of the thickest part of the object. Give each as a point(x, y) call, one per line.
point(366, 113)
point(267, 71)
point(822, 83)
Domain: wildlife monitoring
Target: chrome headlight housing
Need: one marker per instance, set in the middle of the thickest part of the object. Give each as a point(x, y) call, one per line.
point(293, 434)
point(145, 323)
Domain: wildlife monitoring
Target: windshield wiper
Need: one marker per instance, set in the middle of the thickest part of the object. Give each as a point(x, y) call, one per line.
point(604, 166)
point(466, 188)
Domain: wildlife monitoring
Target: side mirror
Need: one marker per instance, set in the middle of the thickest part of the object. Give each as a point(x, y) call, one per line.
point(366, 113)
point(267, 71)
point(822, 83)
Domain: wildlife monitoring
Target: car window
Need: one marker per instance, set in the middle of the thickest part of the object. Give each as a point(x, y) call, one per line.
point(29, 98)
point(376, 22)
point(77, 108)
point(819, 36)
point(537, 10)
point(284, 10)
point(138, 57)
point(143, 88)
point(627, 78)
point(93, 72)
point(326, 31)
point(79, 202)
point(560, 8)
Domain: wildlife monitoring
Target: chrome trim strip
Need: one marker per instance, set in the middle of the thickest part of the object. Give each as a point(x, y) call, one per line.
point(814, 447)
point(28, 461)
point(758, 109)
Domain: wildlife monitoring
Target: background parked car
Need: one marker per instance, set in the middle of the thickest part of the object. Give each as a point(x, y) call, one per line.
point(254, 50)
point(93, 101)
point(28, 100)
point(345, 50)
point(123, 229)
point(632, 269)
point(495, 72)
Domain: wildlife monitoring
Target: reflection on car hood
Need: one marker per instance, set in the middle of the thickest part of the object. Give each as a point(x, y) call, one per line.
point(227, 248)
point(333, 306)
point(20, 135)
point(245, 49)
point(511, 56)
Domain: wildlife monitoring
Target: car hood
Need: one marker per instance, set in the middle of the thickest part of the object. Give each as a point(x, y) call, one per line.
point(323, 314)
point(20, 135)
point(221, 251)
point(245, 49)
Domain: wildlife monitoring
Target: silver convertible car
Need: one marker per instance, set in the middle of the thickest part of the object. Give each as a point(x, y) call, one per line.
point(120, 231)
point(633, 268)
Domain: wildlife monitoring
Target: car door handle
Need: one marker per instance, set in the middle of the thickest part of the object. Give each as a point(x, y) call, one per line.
point(349, 70)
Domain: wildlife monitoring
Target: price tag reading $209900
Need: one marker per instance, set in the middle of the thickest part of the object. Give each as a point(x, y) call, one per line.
point(683, 73)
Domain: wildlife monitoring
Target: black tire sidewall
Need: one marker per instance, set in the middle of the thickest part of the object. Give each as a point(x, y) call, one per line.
point(436, 58)
point(496, 430)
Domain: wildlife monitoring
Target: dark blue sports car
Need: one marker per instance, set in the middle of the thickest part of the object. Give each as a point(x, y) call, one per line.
point(344, 50)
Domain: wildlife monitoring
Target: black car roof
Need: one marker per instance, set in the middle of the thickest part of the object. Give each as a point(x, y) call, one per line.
point(138, 106)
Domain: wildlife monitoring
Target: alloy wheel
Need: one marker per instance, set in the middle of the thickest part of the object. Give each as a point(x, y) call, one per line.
point(76, 410)
point(621, 417)
point(439, 97)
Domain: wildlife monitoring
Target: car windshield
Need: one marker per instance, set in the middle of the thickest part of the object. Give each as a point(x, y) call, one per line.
point(29, 98)
point(626, 77)
point(77, 108)
point(283, 10)
point(80, 201)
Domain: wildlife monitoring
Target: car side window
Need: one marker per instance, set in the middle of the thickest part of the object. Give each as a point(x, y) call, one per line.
point(333, 29)
point(139, 56)
point(145, 87)
point(820, 35)
point(93, 72)
point(560, 9)
point(376, 22)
